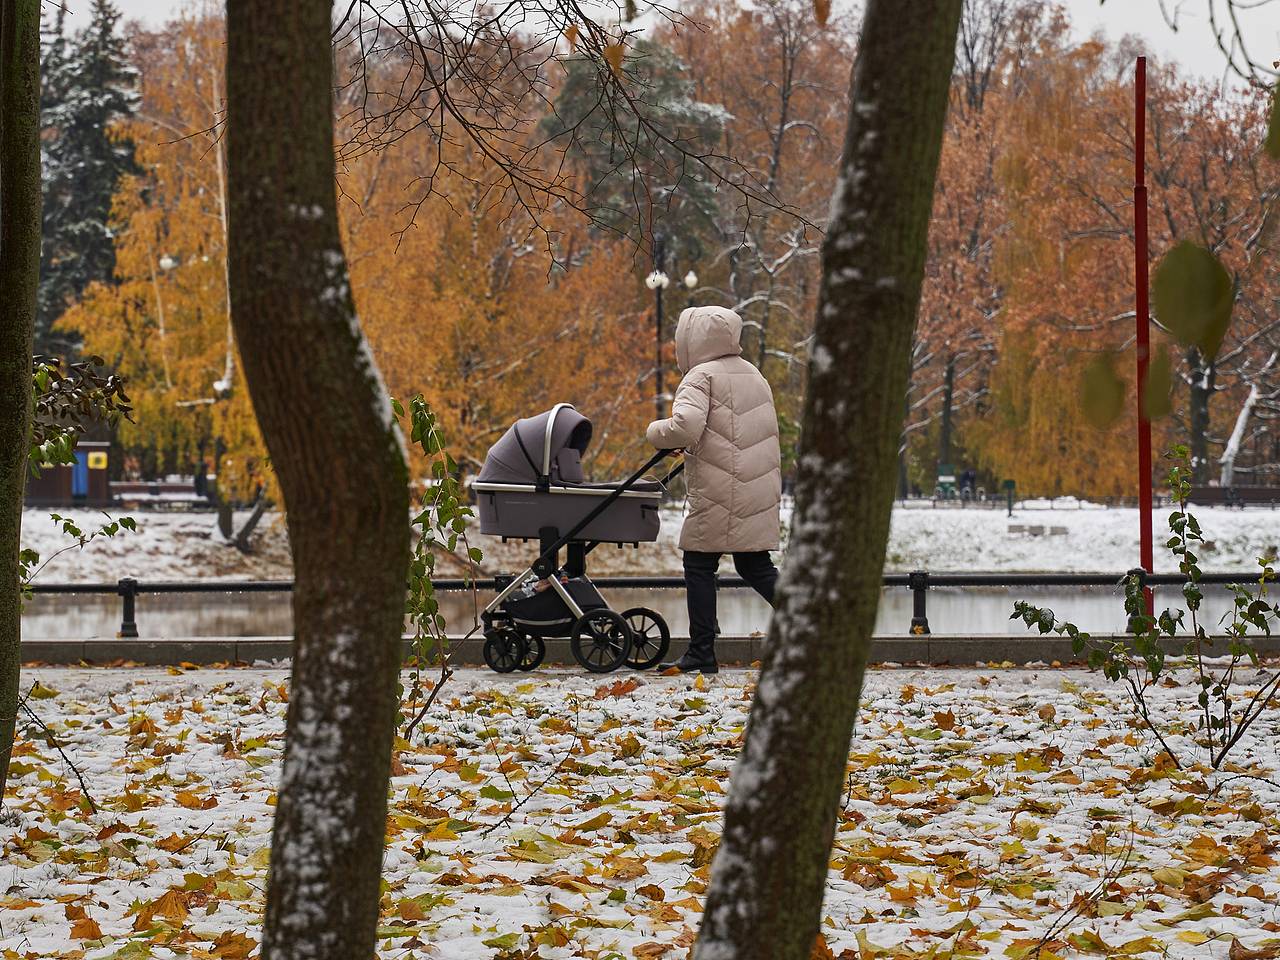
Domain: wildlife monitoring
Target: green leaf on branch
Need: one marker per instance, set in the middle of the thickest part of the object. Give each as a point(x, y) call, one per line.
point(1194, 296)
point(1102, 392)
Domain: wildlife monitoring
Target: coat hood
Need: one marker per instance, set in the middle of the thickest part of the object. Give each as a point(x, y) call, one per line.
point(706, 333)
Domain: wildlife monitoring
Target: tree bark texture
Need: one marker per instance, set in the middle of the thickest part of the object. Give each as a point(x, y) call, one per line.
point(1201, 389)
point(770, 873)
point(339, 459)
point(948, 395)
point(19, 278)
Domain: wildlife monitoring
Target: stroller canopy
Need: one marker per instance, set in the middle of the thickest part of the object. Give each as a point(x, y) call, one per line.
point(545, 447)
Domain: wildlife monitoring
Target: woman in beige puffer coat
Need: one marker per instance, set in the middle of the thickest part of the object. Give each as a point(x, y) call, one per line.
point(722, 416)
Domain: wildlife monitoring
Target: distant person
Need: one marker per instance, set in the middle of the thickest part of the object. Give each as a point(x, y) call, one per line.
point(722, 417)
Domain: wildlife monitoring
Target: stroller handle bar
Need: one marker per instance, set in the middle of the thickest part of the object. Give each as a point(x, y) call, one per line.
point(608, 501)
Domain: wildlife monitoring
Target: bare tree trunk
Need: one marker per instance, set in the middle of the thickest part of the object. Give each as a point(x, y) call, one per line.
point(1228, 459)
point(769, 876)
point(340, 462)
point(19, 277)
point(1201, 389)
point(1238, 432)
point(948, 394)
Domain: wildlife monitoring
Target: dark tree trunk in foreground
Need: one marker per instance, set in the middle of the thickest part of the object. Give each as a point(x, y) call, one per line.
point(19, 278)
point(770, 873)
point(336, 451)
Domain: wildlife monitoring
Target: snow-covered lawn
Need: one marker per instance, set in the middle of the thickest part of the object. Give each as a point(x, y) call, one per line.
point(1089, 538)
point(566, 816)
point(166, 546)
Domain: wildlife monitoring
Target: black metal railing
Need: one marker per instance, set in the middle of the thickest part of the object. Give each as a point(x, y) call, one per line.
point(919, 582)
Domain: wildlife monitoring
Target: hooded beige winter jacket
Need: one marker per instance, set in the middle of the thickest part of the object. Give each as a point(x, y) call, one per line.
point(722, 416)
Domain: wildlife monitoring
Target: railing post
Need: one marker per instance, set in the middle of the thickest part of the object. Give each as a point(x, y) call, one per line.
point(918, 581)
point(127, 587)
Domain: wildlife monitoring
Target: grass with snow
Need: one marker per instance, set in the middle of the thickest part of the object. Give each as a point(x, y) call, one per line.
point(987, 813)
point(182, 546)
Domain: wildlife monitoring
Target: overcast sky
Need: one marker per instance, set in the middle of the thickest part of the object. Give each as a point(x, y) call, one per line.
point(1192, 45)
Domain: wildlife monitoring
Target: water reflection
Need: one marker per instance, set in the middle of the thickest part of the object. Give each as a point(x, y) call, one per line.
point(951, 611)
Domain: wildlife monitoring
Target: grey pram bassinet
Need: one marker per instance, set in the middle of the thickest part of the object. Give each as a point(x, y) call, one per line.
point(532, 480)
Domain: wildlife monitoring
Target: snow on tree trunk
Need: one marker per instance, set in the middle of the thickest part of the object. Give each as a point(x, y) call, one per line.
point(19, 279)
point(1228, 461)
point(770, 872)
point(1234, 442)
point(339, 459)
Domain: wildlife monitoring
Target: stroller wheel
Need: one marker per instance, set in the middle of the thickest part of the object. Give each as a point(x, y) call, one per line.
point(503, 650)
point(601, 640)
point(534, 650)
point(650, 637)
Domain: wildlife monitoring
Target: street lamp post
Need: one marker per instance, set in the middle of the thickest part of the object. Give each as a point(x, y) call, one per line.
point(658, 282)
point(690, 284)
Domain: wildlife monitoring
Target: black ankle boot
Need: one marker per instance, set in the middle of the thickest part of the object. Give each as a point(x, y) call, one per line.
point(694, 661)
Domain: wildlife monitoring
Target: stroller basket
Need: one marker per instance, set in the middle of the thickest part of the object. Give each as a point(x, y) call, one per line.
point(545, 614)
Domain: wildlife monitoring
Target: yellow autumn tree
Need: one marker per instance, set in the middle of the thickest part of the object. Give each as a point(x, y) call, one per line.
point(490, 313)
point(165, 323)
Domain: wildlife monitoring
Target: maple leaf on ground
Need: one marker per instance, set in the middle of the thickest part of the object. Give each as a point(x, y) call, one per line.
point(172, 905)
point(409, 910)
point(193, 801)
point(86, 928)
point(619, 688)
point(1239, 951)
point(233, 946)
point(645, 950)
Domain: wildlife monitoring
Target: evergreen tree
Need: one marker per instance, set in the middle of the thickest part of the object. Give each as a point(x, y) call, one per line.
point(646, 174)
point(89, 87)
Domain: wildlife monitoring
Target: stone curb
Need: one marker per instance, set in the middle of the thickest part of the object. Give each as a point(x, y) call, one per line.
point(202, 651)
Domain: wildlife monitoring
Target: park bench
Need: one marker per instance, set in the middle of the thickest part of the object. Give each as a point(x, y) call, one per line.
point(1234, 496)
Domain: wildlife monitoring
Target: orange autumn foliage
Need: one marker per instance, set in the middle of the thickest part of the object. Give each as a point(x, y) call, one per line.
point(165, 322)
point(460, 297)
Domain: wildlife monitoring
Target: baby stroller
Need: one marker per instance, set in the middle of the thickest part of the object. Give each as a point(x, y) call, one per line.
point(531, 487)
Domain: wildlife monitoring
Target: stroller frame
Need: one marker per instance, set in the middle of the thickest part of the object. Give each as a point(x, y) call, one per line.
point(507, 648)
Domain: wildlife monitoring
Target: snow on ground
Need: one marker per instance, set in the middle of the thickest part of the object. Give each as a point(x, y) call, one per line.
point(987, 812)
point(166, 546)
point(1078, 537)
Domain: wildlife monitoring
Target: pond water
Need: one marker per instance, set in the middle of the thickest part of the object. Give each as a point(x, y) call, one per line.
point(951, 611)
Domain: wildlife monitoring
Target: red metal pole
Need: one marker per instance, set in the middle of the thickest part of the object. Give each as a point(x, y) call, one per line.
point(1141, 279)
